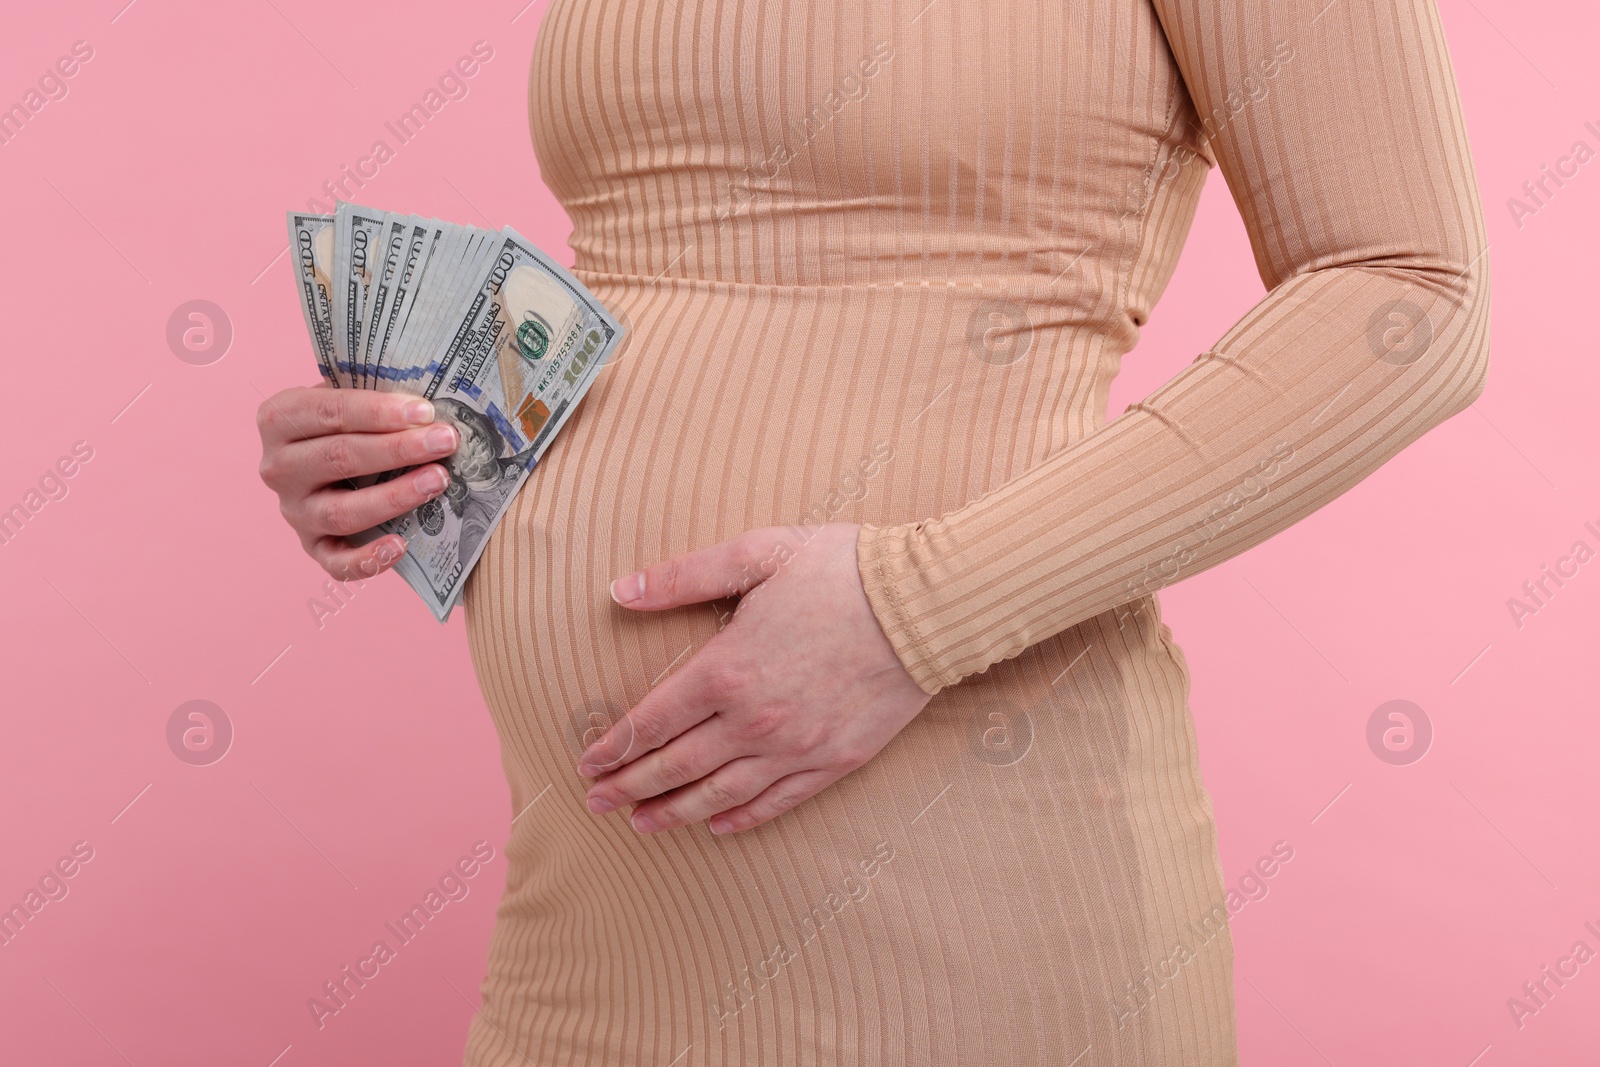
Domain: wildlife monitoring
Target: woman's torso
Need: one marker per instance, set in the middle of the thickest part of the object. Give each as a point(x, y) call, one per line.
point(876, 259)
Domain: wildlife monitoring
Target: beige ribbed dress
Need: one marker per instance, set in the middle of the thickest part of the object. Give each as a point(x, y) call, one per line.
point(881, 260)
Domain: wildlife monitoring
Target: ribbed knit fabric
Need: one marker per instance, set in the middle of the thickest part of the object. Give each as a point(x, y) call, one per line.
point(881, 261)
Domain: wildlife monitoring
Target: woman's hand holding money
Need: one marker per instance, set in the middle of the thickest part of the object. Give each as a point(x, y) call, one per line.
point(315, 439)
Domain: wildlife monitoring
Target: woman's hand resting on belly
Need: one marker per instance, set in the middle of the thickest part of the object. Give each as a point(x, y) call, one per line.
point(800, 688)
point(315, 439)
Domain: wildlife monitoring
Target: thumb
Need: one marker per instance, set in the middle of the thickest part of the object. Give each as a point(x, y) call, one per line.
point(730, 568)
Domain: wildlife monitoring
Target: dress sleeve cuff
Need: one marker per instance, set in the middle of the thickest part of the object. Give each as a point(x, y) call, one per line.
point(888, 558)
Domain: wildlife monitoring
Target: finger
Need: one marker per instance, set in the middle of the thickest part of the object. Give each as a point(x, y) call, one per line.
point(671, 708)
point(343, 512)
point(730, 568)
point(351, 563)
point(299, 414)
point(301, 466)
point(776, 799)
point(686, 758)
point(729, 786)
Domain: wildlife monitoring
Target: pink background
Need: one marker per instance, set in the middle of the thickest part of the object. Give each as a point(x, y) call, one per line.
point(364, 763)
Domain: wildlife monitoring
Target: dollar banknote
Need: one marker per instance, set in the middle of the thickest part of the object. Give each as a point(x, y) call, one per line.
point(500, 337)
point(411, 258)
point(311, 245)
point(355, 237)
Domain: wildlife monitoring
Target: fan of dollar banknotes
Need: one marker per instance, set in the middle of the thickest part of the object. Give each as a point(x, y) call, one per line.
point(501, 339)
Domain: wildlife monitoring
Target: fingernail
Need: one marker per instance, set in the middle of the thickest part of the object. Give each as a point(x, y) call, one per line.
point(430, 481)
point(720, 826)
point(440, 439)
point(420, 413)
point(588, 770)
point(600, 805)
point(643, 823)
point(629, 589)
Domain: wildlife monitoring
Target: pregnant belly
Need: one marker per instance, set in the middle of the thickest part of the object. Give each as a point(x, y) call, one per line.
point(732, 407)
point(1018, 816)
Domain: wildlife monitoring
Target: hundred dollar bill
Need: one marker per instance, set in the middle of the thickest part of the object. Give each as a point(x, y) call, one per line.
point(523, 345)
point(419, 237)
point(450, 273)
point(432, 348)
point(355, 240)
point(387, 251)
point(311, 245)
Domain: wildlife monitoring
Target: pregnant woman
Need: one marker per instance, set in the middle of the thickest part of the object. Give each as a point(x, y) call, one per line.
point(930, 795)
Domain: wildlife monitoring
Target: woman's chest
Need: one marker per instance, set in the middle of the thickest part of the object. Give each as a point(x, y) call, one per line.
point(831, 99)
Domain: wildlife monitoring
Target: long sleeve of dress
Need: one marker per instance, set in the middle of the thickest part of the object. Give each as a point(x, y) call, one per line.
point(1354, 180)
